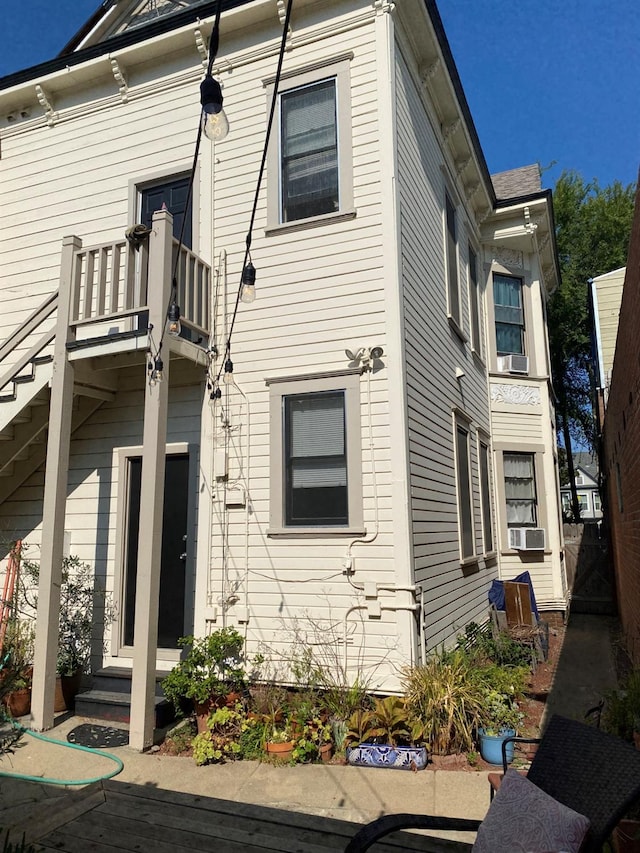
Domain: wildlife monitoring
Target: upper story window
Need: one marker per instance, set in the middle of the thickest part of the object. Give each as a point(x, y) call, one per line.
point(451, 246)
point(309, 152)
point(310, 173)
point(315, 455)
point(474, 301)
point(509, 314)
point(520, 489)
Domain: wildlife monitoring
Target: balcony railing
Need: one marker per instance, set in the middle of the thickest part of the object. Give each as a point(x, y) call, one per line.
point(110, 282)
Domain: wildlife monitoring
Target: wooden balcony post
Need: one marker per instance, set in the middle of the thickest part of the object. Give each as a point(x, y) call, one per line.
point(55, 500)
point(156, 401)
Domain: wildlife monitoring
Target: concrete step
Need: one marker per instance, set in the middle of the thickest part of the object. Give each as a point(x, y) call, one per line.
point(110, 697)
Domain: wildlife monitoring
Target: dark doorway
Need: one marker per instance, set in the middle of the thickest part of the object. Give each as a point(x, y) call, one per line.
point(174, 195)
point(173, 562)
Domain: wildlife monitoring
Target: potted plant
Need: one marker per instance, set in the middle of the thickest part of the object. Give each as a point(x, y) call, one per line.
point(386, 736)
point(270, 702)
point(17, 667)
point(83, 605)
point(500, 718)
point(210, 673)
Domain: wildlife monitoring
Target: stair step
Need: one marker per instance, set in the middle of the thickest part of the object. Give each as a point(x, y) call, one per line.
point(7, 471)
point(116, 706)
point(24, 377)
point(42, 359)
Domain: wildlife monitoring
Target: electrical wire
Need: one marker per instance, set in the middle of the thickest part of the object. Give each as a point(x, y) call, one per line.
point(214, 42)
point(247, 252)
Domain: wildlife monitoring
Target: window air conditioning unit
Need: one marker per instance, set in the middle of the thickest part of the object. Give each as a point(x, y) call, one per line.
point(513, 363)
point(527, 538)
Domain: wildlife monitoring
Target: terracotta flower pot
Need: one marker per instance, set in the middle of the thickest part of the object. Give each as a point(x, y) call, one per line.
point(326, 751)
point(280, 751)
point(18, 702)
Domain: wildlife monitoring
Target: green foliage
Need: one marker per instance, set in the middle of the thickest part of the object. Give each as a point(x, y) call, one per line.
point(389, 722)
point(212, 666)
point(17, 662)
point(84, 604)
point(621, 714)
point(480, 643)
point(593, 225)
point(445, 696)
point(221, 740)
point(499, 712)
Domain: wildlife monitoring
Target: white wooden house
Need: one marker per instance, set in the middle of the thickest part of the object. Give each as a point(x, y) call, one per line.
point(354, 499)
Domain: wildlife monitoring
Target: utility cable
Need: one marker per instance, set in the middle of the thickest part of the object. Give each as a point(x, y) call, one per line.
point(247, 252)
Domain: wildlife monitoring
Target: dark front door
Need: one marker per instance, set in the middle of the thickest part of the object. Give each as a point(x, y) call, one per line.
point(173, 194)
point(171, 623)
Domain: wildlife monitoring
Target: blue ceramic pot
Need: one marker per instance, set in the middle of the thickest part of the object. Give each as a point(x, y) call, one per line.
point(491, 746)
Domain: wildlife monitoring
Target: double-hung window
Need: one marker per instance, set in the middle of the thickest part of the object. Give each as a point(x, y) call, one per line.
point(465, 503)
point(520, 489)
point(509, 314)
point(309, 151)
point(315, 455)
point(310, 159)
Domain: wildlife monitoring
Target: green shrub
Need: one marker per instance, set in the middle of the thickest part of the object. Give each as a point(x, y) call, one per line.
point(445, 696)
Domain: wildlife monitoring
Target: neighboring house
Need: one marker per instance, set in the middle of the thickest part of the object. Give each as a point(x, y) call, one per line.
point(585, 466)
point(381, 447)
point(620, 457)
point(605, 295)
point(522, 272)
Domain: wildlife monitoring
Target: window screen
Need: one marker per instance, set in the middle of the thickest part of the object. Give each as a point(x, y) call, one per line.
point(309, 151)
point(520, 489)
point(315, 459)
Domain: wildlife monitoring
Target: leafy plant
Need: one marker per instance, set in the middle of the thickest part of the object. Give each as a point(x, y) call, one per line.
point(499, 712)
point(17, 661)
point(212, 666)
point(445, 696)
point(221, 739)
point(621, 714)
point(83, 605)
point(389, 722)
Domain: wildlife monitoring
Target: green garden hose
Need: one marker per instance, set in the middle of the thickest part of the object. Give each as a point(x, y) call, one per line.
point(49, 781)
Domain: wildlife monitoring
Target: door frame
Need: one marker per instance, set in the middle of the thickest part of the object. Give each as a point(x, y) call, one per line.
point(121, 457)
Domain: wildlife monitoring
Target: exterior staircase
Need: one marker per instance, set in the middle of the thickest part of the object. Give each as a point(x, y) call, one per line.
point(110, 698)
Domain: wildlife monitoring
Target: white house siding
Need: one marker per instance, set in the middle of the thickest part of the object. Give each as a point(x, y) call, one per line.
point(453, 596)
point(320, 290)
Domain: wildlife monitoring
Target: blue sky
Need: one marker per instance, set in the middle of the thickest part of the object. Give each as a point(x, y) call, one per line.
point(546, 81)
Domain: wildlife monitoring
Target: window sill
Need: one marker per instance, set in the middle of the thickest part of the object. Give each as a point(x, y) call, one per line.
point(314, 532)
point(311, 222)
point(457, 329)
point(479, 360)
point(470, 565)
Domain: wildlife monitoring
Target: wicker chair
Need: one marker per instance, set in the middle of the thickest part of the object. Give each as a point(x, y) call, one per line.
point(589, 771)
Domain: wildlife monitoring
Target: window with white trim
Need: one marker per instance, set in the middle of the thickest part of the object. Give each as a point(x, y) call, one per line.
point(597, 503)
point(315, 455)
point(485, 498)
point(509, 314)
point(451, 255)
point(310, 172)
point(464, 490)
point(520, 489)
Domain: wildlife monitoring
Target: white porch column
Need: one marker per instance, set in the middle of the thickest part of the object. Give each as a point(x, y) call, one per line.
point(156, 401)
point(55, 500)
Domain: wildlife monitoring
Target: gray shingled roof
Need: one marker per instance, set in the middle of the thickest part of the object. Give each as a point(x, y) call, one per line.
point(517, 182)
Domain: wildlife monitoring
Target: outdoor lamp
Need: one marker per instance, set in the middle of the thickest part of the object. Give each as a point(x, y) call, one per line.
point(248, 292)
point(173, 315)
point(157, 372)
point(215, 124)
point(228, 372)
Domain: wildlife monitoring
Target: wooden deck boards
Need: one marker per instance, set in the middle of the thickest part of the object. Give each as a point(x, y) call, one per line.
point(124, 817)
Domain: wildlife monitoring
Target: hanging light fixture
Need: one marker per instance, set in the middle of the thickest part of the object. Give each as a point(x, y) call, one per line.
point(173, 316)
point(215, 124)
point(228, 372)
point(248, 293)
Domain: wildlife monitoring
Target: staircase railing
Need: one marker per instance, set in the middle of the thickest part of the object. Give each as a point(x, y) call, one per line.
point(30, 325)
